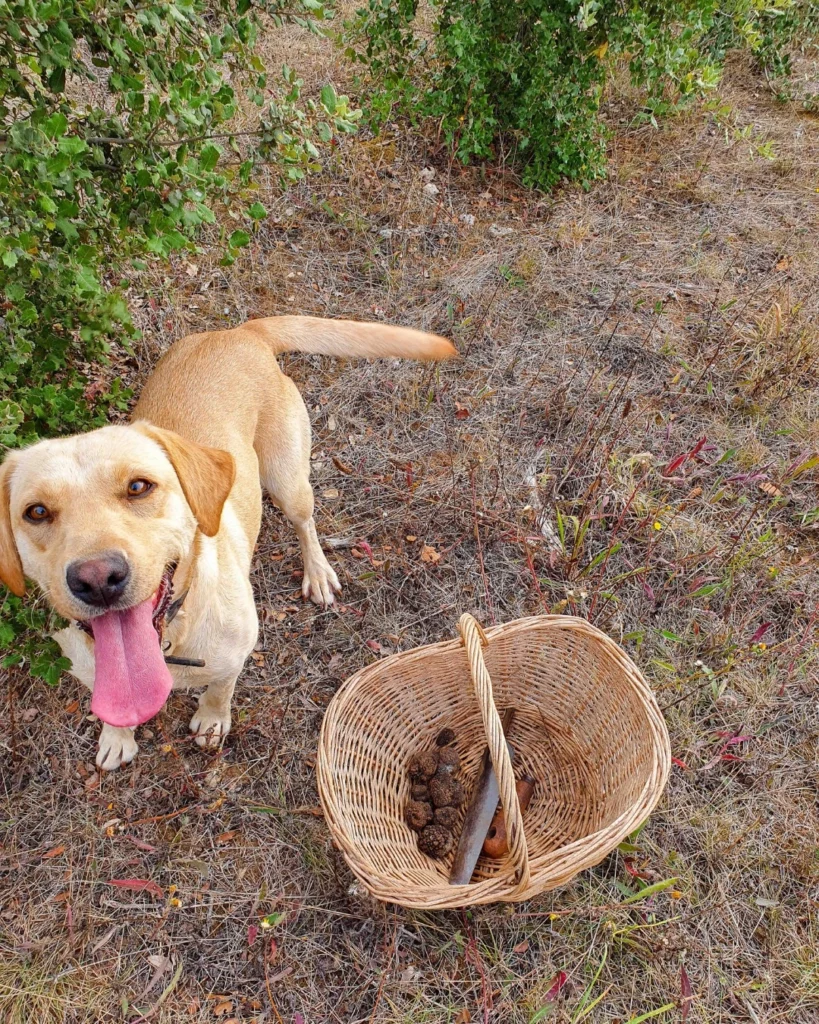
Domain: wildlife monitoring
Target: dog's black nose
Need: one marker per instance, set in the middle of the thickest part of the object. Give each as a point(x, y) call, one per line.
point(99, 581)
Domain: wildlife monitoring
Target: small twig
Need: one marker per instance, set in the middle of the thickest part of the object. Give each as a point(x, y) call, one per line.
point(531, 566)
point(473, 954)
point(490, 607)
point(12, 720)
point(273, 1006)
point(385, 972)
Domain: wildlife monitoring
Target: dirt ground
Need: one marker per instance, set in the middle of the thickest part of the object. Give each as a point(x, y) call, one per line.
point(638, 377)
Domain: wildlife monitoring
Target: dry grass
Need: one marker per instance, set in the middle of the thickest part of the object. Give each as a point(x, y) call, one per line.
point(603, 336)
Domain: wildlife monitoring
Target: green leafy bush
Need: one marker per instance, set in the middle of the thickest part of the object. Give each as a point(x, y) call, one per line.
point(527, 76)
point(119, 139)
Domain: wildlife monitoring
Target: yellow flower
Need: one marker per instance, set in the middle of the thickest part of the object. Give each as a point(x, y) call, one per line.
point(657, 525)
point(175, 902)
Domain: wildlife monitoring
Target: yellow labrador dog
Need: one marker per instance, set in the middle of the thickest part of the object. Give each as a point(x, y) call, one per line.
point(143, 534)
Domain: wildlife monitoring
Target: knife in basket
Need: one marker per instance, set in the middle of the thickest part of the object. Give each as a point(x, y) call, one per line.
point(479, 814)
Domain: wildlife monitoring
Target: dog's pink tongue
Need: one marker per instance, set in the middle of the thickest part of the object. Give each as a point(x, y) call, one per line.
point(132, 681)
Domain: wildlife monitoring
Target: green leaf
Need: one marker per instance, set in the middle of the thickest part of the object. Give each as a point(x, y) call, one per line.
point(209, 157)
point(257, 211)
point(238, 239)
point(601, 555)
point(650, 890)
point(328, 98)
point(56, 125)
point(72, 145)
point(582, 1007)
point(651, 1013)
point(67, 228)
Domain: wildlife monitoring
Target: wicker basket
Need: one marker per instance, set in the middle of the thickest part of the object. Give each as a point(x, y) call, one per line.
point(586, 727)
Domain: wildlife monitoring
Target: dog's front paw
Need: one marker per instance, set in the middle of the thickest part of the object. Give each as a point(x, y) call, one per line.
point(210, 725)
point(320, 584)
point(115, 747)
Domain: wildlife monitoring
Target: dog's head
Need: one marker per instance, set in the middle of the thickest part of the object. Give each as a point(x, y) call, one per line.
point(96, 520)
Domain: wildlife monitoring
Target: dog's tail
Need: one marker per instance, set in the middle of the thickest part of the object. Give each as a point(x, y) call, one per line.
point(349, 338)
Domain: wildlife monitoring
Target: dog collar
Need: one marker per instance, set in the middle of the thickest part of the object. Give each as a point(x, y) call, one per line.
point(170, 615)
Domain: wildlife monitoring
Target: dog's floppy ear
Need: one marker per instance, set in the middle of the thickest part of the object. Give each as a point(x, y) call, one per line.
point(11, 568)
point(206, 474)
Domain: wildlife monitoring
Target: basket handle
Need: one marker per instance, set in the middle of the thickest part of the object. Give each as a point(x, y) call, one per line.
point(474, 639)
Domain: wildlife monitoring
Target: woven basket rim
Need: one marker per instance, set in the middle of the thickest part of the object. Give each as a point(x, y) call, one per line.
point(548, 870)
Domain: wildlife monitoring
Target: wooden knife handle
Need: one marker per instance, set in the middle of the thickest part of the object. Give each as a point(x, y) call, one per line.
point(495, 845)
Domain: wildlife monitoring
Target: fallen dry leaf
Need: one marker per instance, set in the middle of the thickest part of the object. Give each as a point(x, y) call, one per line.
point(521, 947)
point(784, 263)
point(225, 837)
point(54, 853)
point(161, 965)
point(463, 1017)
point(138, 885)
point(429, 554)
point(461, 411)
point(686, 993)
point(342, 466)
point(331, 492)
point(770, 489)
point(558, 982)
point(140, 845)
point(72, 706)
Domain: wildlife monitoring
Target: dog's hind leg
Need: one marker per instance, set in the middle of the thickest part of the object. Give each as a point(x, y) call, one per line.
point(283, 447)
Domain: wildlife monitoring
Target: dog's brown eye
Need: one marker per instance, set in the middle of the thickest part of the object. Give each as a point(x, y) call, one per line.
point(37, 513)
point(139, 488)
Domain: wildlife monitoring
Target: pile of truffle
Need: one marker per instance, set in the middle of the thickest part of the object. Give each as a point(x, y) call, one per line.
point(436, 795)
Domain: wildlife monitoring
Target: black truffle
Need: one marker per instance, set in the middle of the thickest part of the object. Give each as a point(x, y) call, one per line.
point(446, 816)
point(435, 841)
point(420, 791)
point(445, 790)
point(422, 766)
point(444, 738)
point(448, 759)
point(419, 814)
